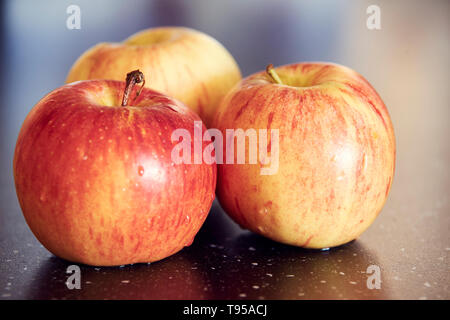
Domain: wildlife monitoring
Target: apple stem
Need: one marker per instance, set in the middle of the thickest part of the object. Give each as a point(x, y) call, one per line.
point(133, 77)
point(273, 74)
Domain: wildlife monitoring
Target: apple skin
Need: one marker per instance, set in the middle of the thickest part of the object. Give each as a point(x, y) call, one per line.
point(336, 155)
point(183, 63)
point(95, 180)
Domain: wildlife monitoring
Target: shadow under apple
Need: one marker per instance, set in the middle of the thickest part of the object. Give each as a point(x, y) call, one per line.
point(224, 262)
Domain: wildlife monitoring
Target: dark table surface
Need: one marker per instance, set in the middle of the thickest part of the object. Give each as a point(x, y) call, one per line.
point(407, 61)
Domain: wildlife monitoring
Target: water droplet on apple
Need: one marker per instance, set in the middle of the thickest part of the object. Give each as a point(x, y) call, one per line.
point(85, 157)
point(265, 209)
point(42, 197)
point(141, 170)
point(189, 242)
point(188, 219)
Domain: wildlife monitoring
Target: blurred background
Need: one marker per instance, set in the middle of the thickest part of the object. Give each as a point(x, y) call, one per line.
point(407, 62)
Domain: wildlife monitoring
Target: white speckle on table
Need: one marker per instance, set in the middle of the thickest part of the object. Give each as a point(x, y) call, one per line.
point(251, 249)
point(427, 284)
point(269, 274)
point(255, 287)
point(323, 281)
point(300, 294)
point(255, 263)
point(353, 282)
point(423, 298)
point(242, 295)
point(290, 276)
point(341, 273)
point(125, 281)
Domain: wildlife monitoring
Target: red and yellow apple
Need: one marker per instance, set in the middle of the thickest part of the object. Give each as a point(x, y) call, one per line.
point(95, 179)
point(336, 155)
point(183, 63)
